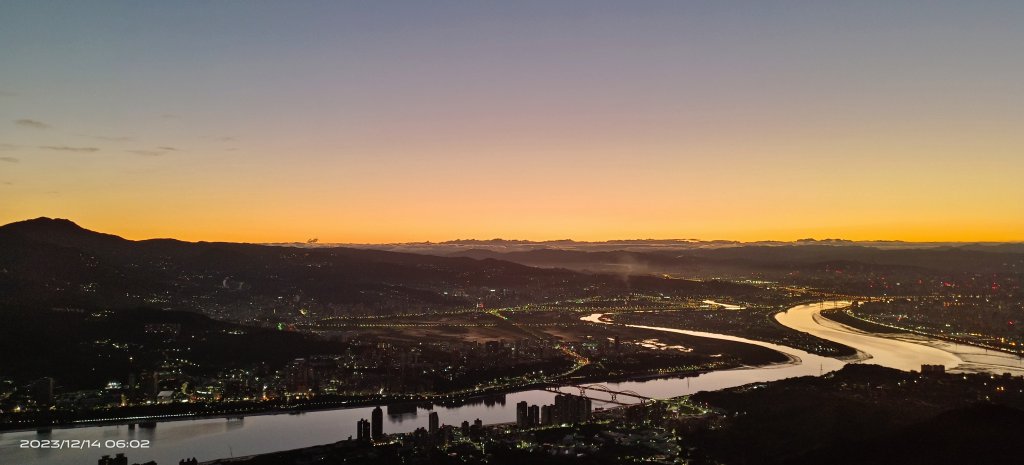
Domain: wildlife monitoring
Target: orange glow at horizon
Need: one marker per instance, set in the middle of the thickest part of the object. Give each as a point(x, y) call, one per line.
point(591, 192)
point(416, 223)
point(378, 123)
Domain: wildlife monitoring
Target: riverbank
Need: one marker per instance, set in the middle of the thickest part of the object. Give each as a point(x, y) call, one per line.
point(847, 317)
point(748, 354)
point(864, 411)
point(753, 323)
point(230, 411)
point(974, 359)
point(805, 420)
point(903, 351)
point(709, 354)
point(265, 432)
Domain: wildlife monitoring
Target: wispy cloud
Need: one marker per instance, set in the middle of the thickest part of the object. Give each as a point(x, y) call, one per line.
point(65, 148)
point(154, 153)
point(8, 146)
point(31, 123)
point(148, 153)
point(115, 139)
point(9, 159)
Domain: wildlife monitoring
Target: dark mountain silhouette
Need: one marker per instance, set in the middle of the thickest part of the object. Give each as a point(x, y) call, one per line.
point(57, 263)
point(63, 287)
point(767, 259)
point(978, 434)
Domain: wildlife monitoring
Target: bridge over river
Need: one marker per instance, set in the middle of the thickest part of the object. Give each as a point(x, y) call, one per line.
point(208, 439)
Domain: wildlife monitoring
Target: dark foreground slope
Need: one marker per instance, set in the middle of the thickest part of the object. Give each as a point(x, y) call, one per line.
point(87, 349)
point(860, 415)
point(977, 434)
point(865, 414)
point(75, 303)
point(53, 262)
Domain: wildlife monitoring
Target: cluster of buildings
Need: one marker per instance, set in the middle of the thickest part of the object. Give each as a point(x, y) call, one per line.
point(362, 368)
point(566, 409)
point(367, 368)
point(373, 430)
point(142, 389)
point(990, 321)
point(121, 459)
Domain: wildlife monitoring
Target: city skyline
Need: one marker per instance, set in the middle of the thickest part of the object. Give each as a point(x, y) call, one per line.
point(358, 123)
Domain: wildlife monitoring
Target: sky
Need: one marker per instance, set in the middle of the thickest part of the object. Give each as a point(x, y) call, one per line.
point(592, 120)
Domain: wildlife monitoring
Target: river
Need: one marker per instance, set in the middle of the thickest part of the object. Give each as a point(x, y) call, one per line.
point(902, 351)
point(207, 439)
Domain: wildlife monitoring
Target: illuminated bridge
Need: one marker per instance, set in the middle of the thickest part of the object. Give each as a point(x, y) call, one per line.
point(592, 388)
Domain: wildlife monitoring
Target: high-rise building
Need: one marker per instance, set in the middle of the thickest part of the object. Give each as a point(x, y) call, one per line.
point(570, 409)
point(363, 430)
point(464, 429)
point(377, 423)
point(521, 414)
point(560, 412)
point(132, 384)
point(477, 430)
point(151, 384)
point(447, 434)
point(533, 415)
point(42, 391)
point(298, 377)
point(434, 422)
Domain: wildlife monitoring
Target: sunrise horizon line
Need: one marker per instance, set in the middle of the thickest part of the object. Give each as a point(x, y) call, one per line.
point(314, 240)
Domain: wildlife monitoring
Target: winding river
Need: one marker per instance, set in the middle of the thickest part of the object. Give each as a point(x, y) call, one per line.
point(207, 439)
point(902, 351)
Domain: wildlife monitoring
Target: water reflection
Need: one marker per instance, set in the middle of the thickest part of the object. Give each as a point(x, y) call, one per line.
point(493, 400)
point(208, 439)
point(898, 350)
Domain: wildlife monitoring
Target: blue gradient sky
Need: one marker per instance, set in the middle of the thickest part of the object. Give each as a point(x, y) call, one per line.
point(400, 121)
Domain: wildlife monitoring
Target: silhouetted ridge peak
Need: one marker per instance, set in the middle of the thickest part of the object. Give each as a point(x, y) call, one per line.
point(58, 231)
point(44, 222)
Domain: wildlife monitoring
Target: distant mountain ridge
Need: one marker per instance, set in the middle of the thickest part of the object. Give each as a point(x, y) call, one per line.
point(733, 259)
point(55, 262)
point(776, 258)
point(654, 244)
